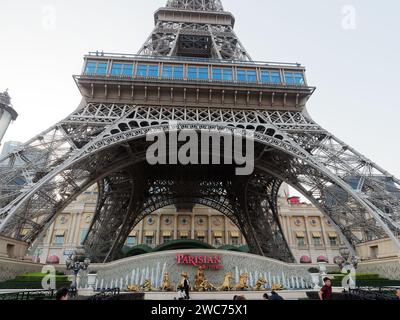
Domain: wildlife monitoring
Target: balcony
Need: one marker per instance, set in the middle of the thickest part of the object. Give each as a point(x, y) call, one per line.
point(198, 82)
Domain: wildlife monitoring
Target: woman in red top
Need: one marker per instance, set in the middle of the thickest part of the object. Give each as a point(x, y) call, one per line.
point(326, 290)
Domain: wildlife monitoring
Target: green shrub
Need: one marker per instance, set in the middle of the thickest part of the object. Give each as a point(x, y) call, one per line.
point(375, 283)
point(34, 281)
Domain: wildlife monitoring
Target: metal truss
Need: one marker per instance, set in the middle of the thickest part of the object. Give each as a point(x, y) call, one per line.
point(105, 143)
point(254, 211)
point(164, 40)
point(56, 166)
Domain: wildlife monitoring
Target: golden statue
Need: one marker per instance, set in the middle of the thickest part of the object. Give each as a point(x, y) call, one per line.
point(199, 278)
point(226, 285)
point(207, 286)
point(259, 284)
point(276, 287)
point(147, 286)
point(166, 284)
point(134, 288)
point(242, 285)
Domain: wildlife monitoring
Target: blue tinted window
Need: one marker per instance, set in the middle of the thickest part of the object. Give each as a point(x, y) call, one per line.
point(141, 70)
point(91, 67)
point(116, 69)
point(270, 77)
point(251, 76)
point(289, 79)
point(222, 74)
point(265, 77)
point(241, 75)
point(247, 75)
point(299, 78)
point(198, 73)
point(94, 67)
point(175, 72)
point(127, 70)
point(192, 73)
point(217, 74)
point(203, 73)
point(153, 71)
point(101, 68)
point(119, 69)
point(178, 72)
point(167, 72)
point(145, 70)
point(228, 74)
point(294, 78)
point(276, 77)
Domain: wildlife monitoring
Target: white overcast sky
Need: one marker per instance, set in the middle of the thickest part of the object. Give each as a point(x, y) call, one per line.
point(356, 71)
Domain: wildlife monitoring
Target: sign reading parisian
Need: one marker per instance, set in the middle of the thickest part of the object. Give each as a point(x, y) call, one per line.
point(205, 262)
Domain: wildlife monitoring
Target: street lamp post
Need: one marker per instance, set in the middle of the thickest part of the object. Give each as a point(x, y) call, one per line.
point(348, 264)
point(77, 262)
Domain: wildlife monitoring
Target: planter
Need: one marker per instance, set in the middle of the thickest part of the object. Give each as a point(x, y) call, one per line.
point(322, 268)
point(315, 277)
point(91, 280)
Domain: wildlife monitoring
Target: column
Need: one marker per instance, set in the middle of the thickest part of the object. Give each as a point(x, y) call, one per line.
point(77, 228)
point(72, 228)
point(209, 231)
point(158, 232)
point(325, 237)
point(140, 235)
point(46, 247)
point(226, 230)
point(309, 242)
point(175, 226)
point(292, 240)
point(193, 226)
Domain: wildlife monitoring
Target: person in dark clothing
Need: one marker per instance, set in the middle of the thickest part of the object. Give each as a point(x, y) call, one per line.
point(398, 294)
point(326, 291)
point(186, 287)
point(265, 296)
point(275, 297)
point(62, 294)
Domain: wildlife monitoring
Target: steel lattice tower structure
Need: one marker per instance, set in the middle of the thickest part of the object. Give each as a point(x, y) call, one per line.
point(194, 71)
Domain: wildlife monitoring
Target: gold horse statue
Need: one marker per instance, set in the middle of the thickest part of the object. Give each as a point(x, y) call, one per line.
point(146, 287)
point(242, 285)
point(134, 288)
point(207, 286)
point(276, 287)
point(166, 284)
point(259, 284)
point(226, 285)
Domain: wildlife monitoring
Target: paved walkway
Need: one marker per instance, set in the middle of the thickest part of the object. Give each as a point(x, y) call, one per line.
point(250, 295)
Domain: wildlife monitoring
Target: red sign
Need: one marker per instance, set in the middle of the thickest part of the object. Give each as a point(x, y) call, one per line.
point(206, 262)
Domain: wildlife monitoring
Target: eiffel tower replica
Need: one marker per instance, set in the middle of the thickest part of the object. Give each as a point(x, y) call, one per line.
point(192, 71)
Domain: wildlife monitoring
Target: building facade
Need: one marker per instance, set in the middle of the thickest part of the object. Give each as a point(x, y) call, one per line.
point(310, 235)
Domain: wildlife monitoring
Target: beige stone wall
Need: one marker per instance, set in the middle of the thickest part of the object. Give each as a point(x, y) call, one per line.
point(11, 248)
point(308, 232)
point(378, 249)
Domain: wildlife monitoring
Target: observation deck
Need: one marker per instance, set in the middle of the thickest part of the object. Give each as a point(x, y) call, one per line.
point(193, 82)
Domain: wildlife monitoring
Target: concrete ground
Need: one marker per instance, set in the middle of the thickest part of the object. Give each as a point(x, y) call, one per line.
point(202, 296)
point(250, 295)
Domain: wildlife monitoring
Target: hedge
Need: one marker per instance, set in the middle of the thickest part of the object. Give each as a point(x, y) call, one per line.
point(34, 281)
